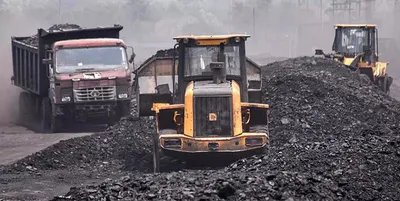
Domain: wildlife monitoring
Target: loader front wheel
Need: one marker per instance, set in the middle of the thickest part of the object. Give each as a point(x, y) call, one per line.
point(156, 154)
point(386, 84)
point(261, 129)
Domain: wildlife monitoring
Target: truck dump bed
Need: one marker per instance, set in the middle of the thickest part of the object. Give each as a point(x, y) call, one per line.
point(27, 53)
point(156, 71)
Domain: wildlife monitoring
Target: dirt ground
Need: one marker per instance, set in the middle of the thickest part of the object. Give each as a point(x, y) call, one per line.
point(18, 142)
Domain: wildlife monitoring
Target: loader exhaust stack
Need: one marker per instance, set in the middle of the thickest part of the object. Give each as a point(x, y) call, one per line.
point(219, 72)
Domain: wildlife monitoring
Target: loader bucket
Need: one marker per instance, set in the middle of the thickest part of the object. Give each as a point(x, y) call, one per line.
point(146, 101)
point(254, 81)
point(154, 84)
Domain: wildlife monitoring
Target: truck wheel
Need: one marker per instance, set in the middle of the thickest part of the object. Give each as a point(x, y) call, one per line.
point(156, 154)
point(124, 109)
point(56, 124)
point(23, 111)
point(50, 123)
point(45, 113)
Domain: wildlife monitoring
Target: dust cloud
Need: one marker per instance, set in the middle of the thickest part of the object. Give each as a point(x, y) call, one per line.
point(278, 28)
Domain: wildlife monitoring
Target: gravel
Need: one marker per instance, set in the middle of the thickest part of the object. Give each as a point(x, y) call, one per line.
point(33, 40)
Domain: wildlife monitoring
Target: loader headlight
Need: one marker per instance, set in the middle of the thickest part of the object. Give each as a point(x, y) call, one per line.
point(172, 143)
point(65, 99)
point(237, 39)
point(122, 95)
point(254, 141)
point(185, 40)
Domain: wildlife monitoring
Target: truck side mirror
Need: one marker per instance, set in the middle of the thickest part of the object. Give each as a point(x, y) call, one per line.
point(47, 61)
point(319, 52)
point(132, 58)
point(133, 55)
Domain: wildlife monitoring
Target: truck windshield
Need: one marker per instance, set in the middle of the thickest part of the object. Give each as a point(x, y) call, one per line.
point(353, 40)
point(71, 60)
point(198, 59)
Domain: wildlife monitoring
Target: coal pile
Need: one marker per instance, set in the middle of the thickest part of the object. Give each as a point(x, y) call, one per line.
point(331, 122)
point(33, 40)
point(210, 185)
point(317, 99)
point(334, 136)
point(124, 146)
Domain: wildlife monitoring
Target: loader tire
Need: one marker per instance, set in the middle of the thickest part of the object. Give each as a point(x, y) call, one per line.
point(387, 82)
point(364, 79)
point(261, 129)
point(156, 153)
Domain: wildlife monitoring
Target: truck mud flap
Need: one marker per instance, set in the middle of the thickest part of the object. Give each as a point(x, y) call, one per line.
point(146, 102)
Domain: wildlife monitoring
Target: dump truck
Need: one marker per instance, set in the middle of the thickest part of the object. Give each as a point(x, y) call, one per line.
point(356, 46)
point(79, 75)
point(205, 97)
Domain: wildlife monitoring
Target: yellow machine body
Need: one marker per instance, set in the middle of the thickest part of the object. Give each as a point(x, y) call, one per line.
point(356, 46)
point(231, 106)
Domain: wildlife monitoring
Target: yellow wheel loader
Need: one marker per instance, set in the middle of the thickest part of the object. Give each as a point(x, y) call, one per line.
point(356, 46)
point(214, 106)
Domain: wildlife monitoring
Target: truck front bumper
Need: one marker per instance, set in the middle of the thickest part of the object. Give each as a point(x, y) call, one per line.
point(242, 143)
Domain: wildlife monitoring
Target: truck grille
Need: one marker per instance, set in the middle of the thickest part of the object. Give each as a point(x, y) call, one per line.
point(95, 94)
point(222, 124)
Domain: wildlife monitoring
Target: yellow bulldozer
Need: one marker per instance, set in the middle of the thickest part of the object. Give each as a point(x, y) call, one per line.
point(356, 46)
point(214, 107)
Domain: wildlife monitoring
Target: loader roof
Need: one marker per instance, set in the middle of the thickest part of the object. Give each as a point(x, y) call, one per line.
point(211, 37)
point(356, 25)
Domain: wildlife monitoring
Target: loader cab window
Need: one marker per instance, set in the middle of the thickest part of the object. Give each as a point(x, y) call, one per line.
point(71, 60)
point(198, 59)
point(351, 40)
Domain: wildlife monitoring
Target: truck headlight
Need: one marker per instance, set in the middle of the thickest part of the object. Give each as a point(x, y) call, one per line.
point(122, 95)
point(65, 99)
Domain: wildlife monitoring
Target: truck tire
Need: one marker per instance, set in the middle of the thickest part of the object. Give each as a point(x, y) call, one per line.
point(50, 123)
point(124, 109)
point(23, 110)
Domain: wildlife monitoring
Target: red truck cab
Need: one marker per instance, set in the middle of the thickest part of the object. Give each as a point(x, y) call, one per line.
point(90, 81)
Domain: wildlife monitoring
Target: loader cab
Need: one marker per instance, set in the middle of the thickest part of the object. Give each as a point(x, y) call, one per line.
point(217, 57)
point(352, 40)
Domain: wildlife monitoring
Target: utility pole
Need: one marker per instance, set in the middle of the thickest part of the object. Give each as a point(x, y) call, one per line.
point(254, 22)
point(396, 15)
point(59, 11)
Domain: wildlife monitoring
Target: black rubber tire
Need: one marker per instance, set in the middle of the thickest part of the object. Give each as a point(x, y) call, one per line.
point(23, 110)
point(49, 122)
point(124, 109)
point(56, 124)
point(45, 115)
point(156, 154)
point(386, 84)
point(261, 129)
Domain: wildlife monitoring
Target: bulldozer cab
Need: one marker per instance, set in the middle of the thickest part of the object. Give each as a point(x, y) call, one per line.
point(218, 58)
point(352, 40)
point(195, 58)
